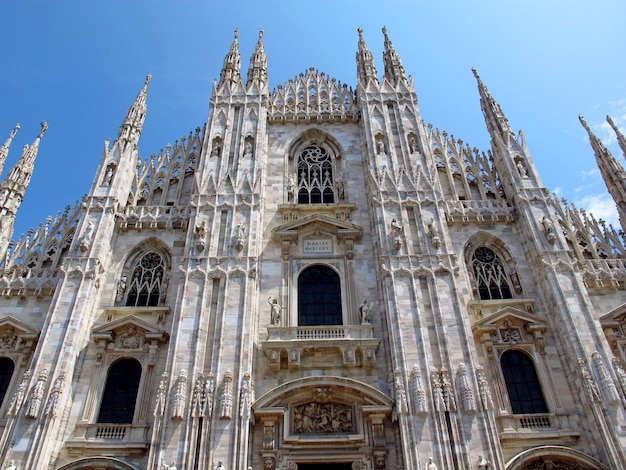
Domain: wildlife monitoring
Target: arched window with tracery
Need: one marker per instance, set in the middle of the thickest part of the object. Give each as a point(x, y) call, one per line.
point(319, 297)
point(522, 383)
point(492, 281)
point(120, 392)
point(6, 373)
point(147, 281)
point(315, 176)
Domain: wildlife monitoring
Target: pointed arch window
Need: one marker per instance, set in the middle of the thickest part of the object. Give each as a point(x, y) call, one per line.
point(147, 281)
point(6, 373)
point(491, 278)
point(522, 383)
point(120, 392)
point(319, 297)
point(315, 176)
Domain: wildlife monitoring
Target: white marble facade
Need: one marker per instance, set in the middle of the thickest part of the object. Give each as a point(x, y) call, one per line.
point(449, 277)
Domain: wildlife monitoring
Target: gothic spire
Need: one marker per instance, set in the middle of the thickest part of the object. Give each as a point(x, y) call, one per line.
point(133, 122)
point(612, 172)
point(494, 117)
point(258, 63)
point(365, 68)
point(232, 63)
point(14, 186)
point(620, 137)
point(4, 148)
point(394, 71)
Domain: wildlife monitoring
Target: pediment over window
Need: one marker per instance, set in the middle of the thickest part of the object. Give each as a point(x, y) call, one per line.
point(15, 334)
point(129, 332)
point(318, 222)
point(511, 326)
point(614, 326)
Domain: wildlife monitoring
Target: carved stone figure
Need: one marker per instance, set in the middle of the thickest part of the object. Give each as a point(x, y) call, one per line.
point(468, 399)
point(400, 391)
point(8, 339)
point(159, 403)
point(275, 311)
point(11, 466)
point(430, 465)
point(590, 384)
point(315, 417)
point(85, 241)
point(380, 146)
point(215, 150)
point(226, 397)
point(522, 170)
point(245, 397)
point(240, 231)
point(36, 395)
point(178, 405)
point(130, 339)
point(485, 392)
point(548, 227)
point(340, 187)
point(482, 463)
point(199, 235)
point(55, 396)
point(108, 176)
point(606, 381)
point(247, 149)
point(220, 466)
point(433, 232)
point(169, 466)
point(291, 188)
point(122, 285)
point(419, 394)
point(20, 395)
point(412, 144)
point(364, 311)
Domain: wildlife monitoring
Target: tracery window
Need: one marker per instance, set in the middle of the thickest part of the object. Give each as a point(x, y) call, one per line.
point(6, 373)
point(522, 383)
point(147, 281)
point(490, 275)
point(120, 392)
point(319, 297)
point(315, 176)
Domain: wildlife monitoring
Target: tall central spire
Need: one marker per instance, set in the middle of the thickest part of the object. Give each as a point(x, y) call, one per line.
point(131, 127)
point(258, 63)
point(232, 63)
point(365, 68)
point(394, 71)
point(621, 140)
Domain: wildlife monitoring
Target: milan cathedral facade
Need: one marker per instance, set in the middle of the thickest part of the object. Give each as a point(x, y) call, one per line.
point(314, 279)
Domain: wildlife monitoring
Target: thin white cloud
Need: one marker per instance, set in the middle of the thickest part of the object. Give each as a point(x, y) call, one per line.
point(601, 206)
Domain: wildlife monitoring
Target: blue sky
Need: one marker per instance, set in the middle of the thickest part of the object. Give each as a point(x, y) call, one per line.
point(79, 65)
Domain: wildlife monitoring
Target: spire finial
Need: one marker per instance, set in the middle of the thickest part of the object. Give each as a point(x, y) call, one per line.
point(44, 128)
point(621, 140)
point(258, 62)
point(394, 71)
point(365, 68)
point(232, 63)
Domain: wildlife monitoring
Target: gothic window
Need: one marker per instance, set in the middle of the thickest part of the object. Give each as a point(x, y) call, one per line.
point(522, 383)
point(120, 392)
point(490, 276)
point(319, 297)
point(315, 176)
point(6, 373)
point(147, 281)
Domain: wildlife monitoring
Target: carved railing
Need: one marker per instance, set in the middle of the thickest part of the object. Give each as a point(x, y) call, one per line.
point(533, 421)
point(152, 217)
point(604, 273)
point(288, 346)
point(125, 438)
point(479, 211)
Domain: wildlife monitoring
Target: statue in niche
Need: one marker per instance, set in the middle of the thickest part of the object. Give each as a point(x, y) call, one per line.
point(396, 229)
point(122, 284)
point(291, 188)
point(215, 151)
point(483, 464)
point(36, 398)
point(85, 241)
point(199, 234)
point(240, 231)
point(247, 149)
point(275, 311)
point(364, 311)
point(433, 231)
point(522, 169)
point(220, 466)
point(169, 466)
point(412, 144)
point(548, 227)
point(108, 176)
point(430, 465)
point(340, 185)
point(159, 405)
point(380, 146)
point(178, 411)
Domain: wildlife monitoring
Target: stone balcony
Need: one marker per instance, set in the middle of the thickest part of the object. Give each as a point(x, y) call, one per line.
point(93, 439)
point(321, 346)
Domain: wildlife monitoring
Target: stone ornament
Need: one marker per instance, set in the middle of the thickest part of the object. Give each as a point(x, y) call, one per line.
point(591, 388)
point(8, 338)
point(55, 396)
point(226, 397)
point(178, 405)
point(548, 228)
point(36, 395)
point(20, 395)
point(365, 313)
point(275, 308)
point(607, 384)
point(322, 418)
point(419, 394)
point(483, 387)
point(466, 391)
